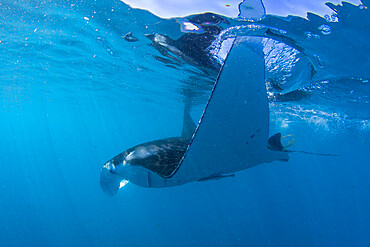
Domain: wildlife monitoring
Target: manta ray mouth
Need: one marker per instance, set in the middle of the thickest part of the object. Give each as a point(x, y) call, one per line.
point(109, 166)
point(110, 182)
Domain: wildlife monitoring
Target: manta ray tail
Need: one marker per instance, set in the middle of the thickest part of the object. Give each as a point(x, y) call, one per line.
point(274, 143)
point(312, 153)
point(109, 182)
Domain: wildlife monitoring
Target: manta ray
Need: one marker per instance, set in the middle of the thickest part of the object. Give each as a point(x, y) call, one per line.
point(232, 134)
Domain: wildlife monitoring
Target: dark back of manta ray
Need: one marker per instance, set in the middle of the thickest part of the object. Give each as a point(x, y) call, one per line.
point(194, 44)
point(170, 151)
point(166, 158)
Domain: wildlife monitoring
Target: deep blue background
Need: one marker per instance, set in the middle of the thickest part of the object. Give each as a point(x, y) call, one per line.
point(65, 112)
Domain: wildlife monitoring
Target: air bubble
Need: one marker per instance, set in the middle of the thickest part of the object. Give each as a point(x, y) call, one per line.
point(308, 35)
point(282, 31)
point(318, 60)
point(325, 29)
point(334, 17)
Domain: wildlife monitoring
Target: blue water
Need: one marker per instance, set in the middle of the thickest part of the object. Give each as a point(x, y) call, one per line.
point(74, 94)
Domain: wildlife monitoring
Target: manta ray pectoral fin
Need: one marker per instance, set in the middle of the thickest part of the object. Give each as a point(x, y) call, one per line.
point(189, 126)
point(216, 177)
point(109, 182)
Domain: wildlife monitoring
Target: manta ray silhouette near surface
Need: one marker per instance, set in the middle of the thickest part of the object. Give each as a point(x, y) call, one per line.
point(232, 135)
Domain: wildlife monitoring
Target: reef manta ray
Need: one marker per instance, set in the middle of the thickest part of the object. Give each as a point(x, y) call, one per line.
point(232, 134)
